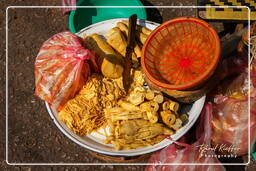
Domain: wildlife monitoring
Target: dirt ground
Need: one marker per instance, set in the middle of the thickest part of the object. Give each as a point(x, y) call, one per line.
point(33, 136)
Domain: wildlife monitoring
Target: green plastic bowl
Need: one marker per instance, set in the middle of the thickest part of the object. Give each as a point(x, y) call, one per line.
point(83, 17)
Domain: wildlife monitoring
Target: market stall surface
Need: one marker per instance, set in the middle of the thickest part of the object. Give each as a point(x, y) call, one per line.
point(33, 137)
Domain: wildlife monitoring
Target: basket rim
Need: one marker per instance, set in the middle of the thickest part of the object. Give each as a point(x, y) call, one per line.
point(201, 78)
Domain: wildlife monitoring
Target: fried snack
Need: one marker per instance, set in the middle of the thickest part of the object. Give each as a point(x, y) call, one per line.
point(142, 37)
point(151, 109)
point(142, 129)
point(128, 106)
point(119, 113)
point(126, 144)
point(117, 40)
point(132, 134)
point(149, 106)
point(134, 123)
point(177, 125)
point(168, 118)
point(124, 28)
point(144, 30)
point(84, 113)
point(138, 79)
point(139, 28)
point(166, 105)
point(139, 90)
point(173, 106)
point(142, 33)
point(136, 98)
point(110, 61)
point(184, 118)
point(170, 105)
point(79, 114)
point(159, 98)
point(150, 95)
point(152, 117)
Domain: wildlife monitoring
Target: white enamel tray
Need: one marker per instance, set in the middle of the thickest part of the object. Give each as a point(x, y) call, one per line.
point(94, 141)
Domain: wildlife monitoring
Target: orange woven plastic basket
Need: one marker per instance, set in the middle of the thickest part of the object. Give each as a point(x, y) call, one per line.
point(181, 53)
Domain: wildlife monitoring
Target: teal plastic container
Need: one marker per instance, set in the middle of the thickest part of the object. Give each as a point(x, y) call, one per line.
point(254, 152)
point(83, 17)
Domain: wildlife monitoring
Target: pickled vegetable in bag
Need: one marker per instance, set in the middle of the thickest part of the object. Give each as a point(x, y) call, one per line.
point(191, 153)
point(62, 67)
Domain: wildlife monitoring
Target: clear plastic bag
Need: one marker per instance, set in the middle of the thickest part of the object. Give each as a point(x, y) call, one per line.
point(230, 110)
point(230, 123)
point(191, 153)
point(62, 67)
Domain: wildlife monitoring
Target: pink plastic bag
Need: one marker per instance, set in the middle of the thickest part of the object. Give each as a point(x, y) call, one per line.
point(62, 67)
point(68, 3)
point(253, 76)
point(194, 153)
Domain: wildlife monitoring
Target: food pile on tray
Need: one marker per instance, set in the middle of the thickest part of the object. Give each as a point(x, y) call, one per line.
point(82, 78)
